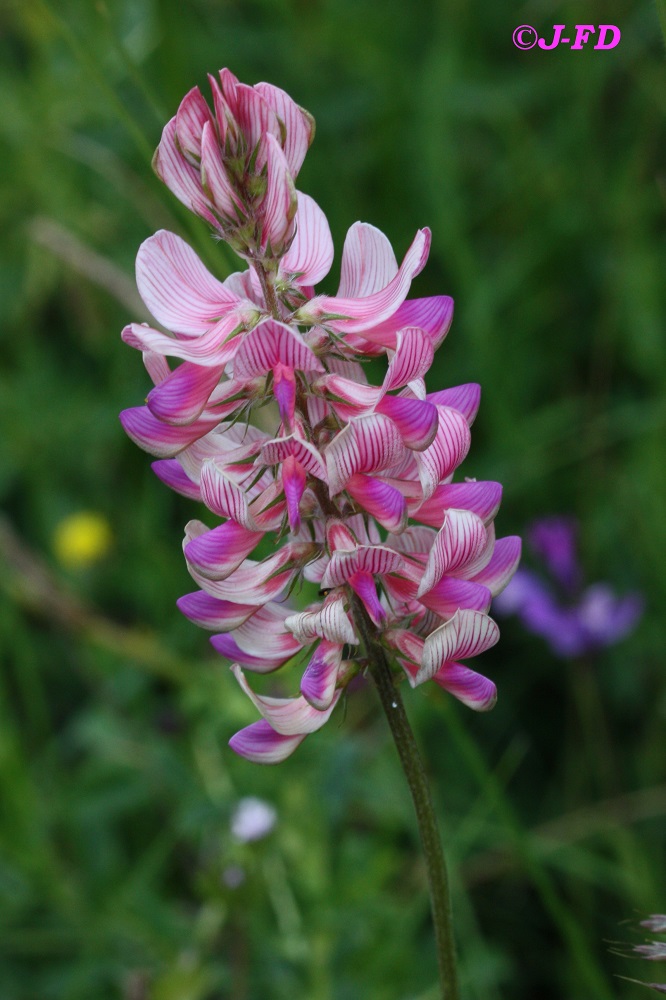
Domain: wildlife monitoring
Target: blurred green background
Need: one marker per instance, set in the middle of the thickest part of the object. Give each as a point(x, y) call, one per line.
point(542, 177)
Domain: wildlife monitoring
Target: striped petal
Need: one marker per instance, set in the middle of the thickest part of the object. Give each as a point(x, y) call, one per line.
point(407, 643)
point(376, 560)
point(447, 451)
point(224, 497)
point(367, 444)
point(192, 116)
point(215, 179)
point(412, 359)
point(279, 449)
point(432, 315)
point(265, 636)
point(176, 287)
point(270, 343)
point(321, 675)
point(368, 262)
point(294, 481)
point(464, 398)
point(207, 612)
point(330, 622)
point(182, 396)
point(310, 255)
point(472, 689)
point(298, 124)
point(467, 634)
point(227, 647)
point(416, 419)
point(217, 553)
point(503, 564)
point(378, 498)
point(160, 439)
point(215, 347)
point(460, 540)
point(450, 595)
point(287, 716)
point(363, 584)
point(171, 472)
point(254, 115)
point(260, 744)
point(355, 315)
point(181, 177)
point(279, 204)
point(482, 498)
point(252, 583)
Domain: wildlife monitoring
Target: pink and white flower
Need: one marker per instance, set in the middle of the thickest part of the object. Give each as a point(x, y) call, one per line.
point(350, 484)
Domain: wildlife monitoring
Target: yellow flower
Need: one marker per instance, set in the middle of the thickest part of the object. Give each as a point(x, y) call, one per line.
point(82, 539)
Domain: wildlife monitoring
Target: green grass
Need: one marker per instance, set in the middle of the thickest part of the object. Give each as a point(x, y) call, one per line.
point(542, 177)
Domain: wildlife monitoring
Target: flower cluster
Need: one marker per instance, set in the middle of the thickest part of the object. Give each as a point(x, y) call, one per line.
point(354, 481)
point(575, 621)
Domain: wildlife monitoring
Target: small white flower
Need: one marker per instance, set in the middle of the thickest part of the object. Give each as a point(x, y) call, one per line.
point(252, 819)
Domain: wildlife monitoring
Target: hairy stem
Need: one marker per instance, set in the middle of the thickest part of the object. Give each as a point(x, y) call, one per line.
point(268, 288)
point(412, 766)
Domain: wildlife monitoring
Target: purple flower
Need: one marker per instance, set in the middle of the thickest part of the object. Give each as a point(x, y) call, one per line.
point(574, 621)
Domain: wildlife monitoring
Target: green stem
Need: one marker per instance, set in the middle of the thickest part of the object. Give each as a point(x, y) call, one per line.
point(412, 766)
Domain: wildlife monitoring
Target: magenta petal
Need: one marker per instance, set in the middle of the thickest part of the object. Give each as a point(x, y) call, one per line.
point(412, 359)
point(363, 584)
point(451, 594)
point(472, 689)
point(207, 612)
point(502, 565)
point(467, 634)
point(182, 396)
point(176, 287)
point(287, 716)
point(171, 472)
point(373, 559)
point(225, 497)
point(407, 643)
point(217, 553)
point(367, 444)
point(383, 501)
point(482, 498)
point(464, 398)
point(447, 451)
point(416, 419)
point(271, 343)
point(279, 449)
point(321, 674)
point(160, 439)
point(432, 315)
point(293, 484)
point(227, 646)
point(459, 542)
point(262, 745)
point(284, 390)
point(311, 253)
